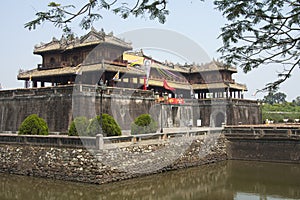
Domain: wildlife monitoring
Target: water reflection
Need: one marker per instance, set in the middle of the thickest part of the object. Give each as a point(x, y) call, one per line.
point(278, 180)
point(225, 180)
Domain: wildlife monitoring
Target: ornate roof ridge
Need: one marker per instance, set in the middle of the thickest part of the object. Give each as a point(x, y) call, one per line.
point(92, 37)
point(212, 65)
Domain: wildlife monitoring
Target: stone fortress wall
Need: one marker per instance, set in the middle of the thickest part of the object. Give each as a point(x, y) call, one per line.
point(59, 105)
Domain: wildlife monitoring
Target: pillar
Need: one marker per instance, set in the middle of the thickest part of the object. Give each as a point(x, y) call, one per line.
point(99, 141)
point(26, 84)
point(34, 84)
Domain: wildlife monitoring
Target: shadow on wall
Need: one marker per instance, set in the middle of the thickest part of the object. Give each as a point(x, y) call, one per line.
point(220, 119)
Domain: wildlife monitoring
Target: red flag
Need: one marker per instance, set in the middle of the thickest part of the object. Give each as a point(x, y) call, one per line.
point(166, 86)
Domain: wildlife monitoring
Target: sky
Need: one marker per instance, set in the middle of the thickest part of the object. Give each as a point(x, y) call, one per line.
point(198, 21)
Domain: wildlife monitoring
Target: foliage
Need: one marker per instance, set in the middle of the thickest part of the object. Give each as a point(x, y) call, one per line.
point(272, 98)
point(297, 101)
point(278, 112)
point(261, 32)
point(62, 15)
point(78, 126)
point(109, 126)
point(143, 124)
point(33, 125)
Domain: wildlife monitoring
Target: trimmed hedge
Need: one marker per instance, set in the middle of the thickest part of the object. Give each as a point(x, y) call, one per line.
point(109, 126)
point(79, 126)
point(143, 124)
point(33, 125)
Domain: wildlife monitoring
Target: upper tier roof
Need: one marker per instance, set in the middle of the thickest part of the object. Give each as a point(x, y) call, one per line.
point(212, 66)
point(94, 37)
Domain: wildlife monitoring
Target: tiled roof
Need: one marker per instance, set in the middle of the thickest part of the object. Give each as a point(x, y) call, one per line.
point(111, 67)
point(212, 66)
point(50, 72)
point(77, 70)
point(176, 85)
point(126, 70)
point(220, 86)
point(92, 38)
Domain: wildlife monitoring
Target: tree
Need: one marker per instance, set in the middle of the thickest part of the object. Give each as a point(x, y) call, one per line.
point(33, 125)
point(297, 101)
point(258, 32)
point(261, 32)
point(62, 15)
point(272, 98)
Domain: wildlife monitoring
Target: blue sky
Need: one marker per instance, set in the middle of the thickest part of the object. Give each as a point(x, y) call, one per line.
point(196, 20)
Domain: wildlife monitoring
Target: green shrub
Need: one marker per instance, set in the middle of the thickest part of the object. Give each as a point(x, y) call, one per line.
point(278, 112)
point(94, 126)
point(33, 125)
point(79, 126)
point(109, 126)
point(143, 124)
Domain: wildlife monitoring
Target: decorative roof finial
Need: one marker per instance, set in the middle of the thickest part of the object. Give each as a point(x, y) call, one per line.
point(93, 29)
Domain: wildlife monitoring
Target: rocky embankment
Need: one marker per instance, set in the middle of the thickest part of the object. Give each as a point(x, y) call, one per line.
point(113, 163)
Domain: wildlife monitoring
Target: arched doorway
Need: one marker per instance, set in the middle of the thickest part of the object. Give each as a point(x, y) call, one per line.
point(220, 118)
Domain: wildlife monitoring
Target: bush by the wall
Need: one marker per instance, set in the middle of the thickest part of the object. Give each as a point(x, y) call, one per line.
point(143, 124)
point(109, 126)
point(33, 125)
point(79, 126)
point(94, 126)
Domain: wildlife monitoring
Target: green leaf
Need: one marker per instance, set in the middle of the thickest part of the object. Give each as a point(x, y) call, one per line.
point(53, 4)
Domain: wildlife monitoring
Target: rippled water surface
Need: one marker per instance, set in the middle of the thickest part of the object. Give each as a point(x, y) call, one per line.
point(224, 180)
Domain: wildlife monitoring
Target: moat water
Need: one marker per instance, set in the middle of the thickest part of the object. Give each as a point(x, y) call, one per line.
point(225, 180)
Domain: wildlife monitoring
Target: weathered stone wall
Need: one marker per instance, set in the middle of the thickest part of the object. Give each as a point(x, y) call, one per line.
point(264, 150)
point(214, 112)
point(243, 112)
point(59, 105)
point(80, 164)
point(264, 143)
point(55, 108)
